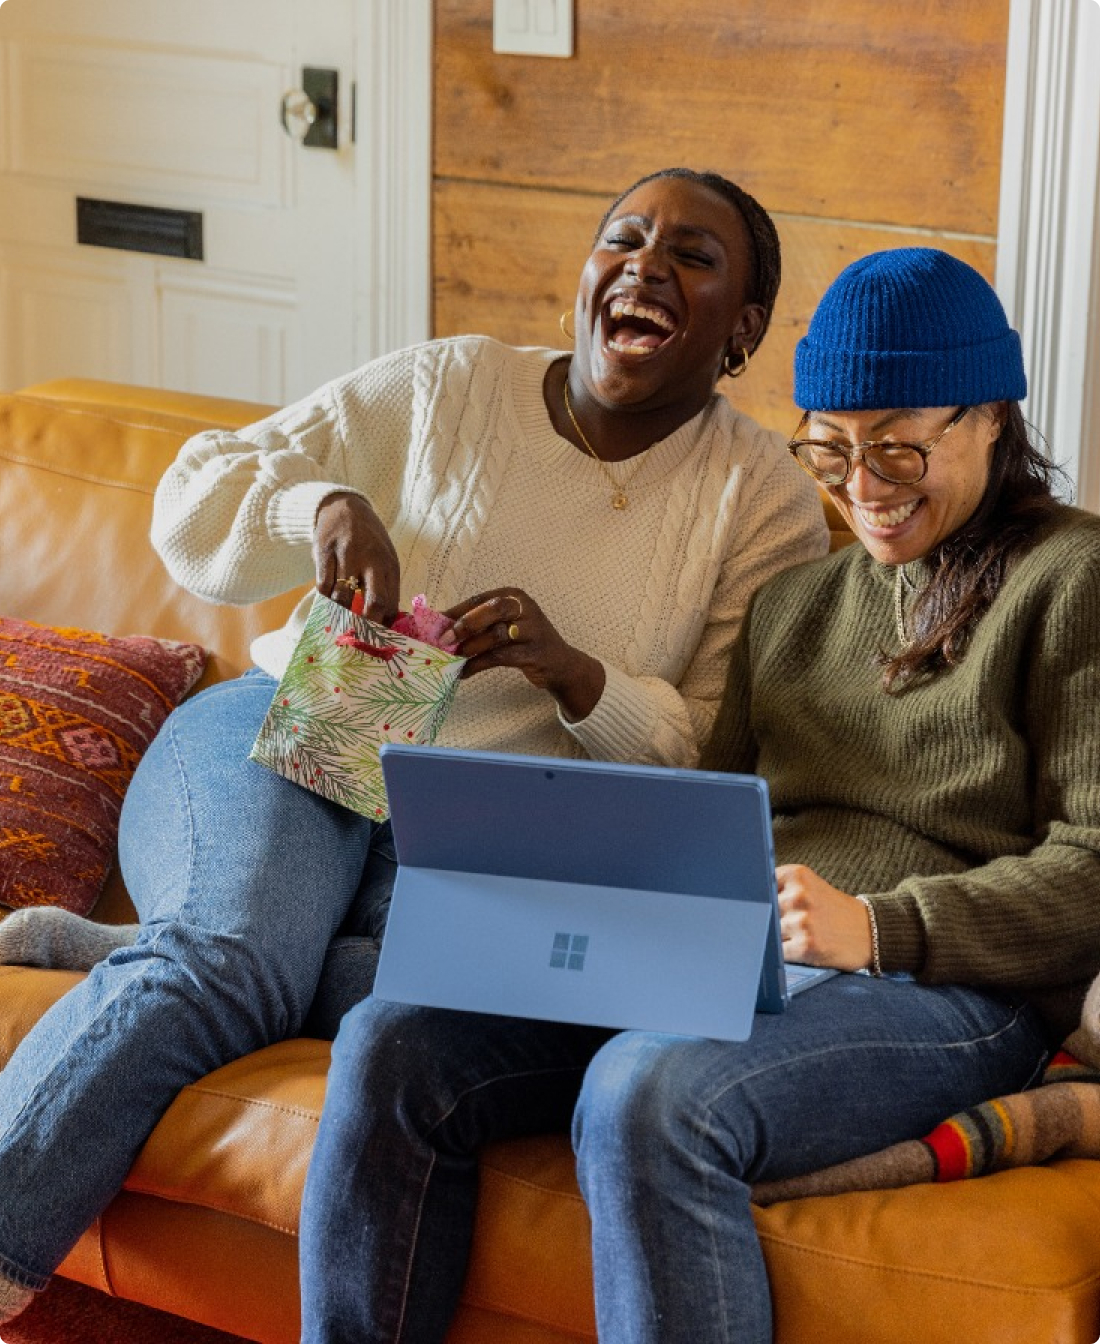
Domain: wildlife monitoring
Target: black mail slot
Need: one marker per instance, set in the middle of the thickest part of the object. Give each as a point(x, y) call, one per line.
point(139, 228)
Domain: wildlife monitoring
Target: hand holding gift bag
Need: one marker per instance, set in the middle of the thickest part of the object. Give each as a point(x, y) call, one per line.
point(350, 686)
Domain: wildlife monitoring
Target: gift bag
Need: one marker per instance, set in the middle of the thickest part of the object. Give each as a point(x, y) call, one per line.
point(350, 686)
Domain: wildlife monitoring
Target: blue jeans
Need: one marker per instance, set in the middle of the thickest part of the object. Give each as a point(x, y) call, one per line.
point(241, 880)
point(390, 1197)
point(670, 1133)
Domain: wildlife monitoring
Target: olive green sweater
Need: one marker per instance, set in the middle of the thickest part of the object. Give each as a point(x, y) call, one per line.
point(967, 806)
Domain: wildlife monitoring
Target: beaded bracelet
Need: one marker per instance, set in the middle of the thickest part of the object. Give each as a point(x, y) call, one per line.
point(876, 960)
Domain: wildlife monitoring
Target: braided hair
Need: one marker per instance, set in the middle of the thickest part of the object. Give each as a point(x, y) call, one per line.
point(766, 269)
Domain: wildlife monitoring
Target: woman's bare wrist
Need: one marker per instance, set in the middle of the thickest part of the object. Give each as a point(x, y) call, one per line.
point(579, 692)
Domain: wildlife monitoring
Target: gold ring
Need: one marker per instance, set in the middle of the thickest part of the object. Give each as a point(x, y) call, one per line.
point(519, 603)
point(513, 632)
point(352, 583)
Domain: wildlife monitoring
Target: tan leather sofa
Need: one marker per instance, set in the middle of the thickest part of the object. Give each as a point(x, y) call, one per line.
point(206, 1225)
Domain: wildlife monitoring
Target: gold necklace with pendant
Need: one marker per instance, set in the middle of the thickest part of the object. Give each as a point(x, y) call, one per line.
point(619, 498)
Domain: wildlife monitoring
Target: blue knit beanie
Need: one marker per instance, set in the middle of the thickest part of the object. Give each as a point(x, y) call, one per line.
point(911, 327)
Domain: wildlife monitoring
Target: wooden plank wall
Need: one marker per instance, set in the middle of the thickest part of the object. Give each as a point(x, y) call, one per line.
point(860, 125)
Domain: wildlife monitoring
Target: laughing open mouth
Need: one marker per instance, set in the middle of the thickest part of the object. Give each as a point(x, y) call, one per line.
point(888, 517)
point(637, 328)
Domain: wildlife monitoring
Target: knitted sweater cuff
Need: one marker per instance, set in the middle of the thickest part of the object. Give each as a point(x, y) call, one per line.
point(624, 726)
point(292, 513)
point(900, 931)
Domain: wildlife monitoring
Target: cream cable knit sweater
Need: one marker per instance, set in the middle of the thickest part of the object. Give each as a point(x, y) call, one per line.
point(451, 443)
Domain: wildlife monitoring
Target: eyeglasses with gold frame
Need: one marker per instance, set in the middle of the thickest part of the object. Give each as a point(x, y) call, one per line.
point(831, 463)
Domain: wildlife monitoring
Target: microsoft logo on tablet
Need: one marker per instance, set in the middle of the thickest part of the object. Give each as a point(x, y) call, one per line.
point(569, 951)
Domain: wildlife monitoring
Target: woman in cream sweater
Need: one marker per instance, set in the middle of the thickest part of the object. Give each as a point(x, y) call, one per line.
point(596, 522)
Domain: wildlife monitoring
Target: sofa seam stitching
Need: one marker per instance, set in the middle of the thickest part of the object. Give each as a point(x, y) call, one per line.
point(880, 1266)
point(8, 456)
point(528, 1184)
point(199, 1090)
point(137, 1188)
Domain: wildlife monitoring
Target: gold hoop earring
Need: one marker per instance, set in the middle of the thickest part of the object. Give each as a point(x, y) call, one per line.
point(569, 335)
point(727, 367)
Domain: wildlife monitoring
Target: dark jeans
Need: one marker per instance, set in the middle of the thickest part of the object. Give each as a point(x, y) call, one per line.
point(669, 1131)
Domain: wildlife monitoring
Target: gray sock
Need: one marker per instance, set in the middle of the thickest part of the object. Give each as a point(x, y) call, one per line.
point(45, 936)
point(13, 1298)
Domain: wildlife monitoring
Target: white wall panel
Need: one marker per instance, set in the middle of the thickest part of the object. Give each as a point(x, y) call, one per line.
point(42, 214)
point(263, 28)
point(65, 317)
point(148, 120)
point(227, 340)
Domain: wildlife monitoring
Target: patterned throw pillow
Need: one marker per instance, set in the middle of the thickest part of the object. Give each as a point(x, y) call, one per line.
point(77, 710)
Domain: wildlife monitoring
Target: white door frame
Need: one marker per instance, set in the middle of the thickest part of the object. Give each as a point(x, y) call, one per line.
point(1048, 241)
point(393, 66)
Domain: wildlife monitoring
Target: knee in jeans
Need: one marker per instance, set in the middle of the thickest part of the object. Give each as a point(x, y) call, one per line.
point(217, 978)
point(379, 1039)
point(631, 1097)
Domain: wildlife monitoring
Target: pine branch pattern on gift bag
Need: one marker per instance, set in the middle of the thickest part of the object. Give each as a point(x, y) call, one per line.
point(341, 698)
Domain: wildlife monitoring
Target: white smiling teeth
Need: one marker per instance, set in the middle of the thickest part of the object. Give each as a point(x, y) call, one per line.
point(621, 308)
point(888, 517)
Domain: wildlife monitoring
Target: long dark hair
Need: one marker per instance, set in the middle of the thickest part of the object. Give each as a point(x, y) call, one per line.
point(763, 237)
point(969, 567)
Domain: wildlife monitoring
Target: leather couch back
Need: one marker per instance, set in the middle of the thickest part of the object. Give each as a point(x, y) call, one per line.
point(76, 492)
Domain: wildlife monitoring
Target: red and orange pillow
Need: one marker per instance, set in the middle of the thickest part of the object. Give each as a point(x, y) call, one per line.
point(77, 711)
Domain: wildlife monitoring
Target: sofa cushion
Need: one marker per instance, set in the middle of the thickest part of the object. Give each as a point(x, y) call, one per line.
point(77, 711)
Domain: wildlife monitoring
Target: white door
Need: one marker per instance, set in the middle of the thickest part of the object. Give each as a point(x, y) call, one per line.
point(175, 108)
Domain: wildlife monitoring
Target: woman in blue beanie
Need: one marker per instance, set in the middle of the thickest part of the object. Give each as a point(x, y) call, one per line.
point(923, 706)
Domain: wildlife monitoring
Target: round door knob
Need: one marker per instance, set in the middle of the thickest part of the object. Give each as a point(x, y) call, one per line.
point(298, 113)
